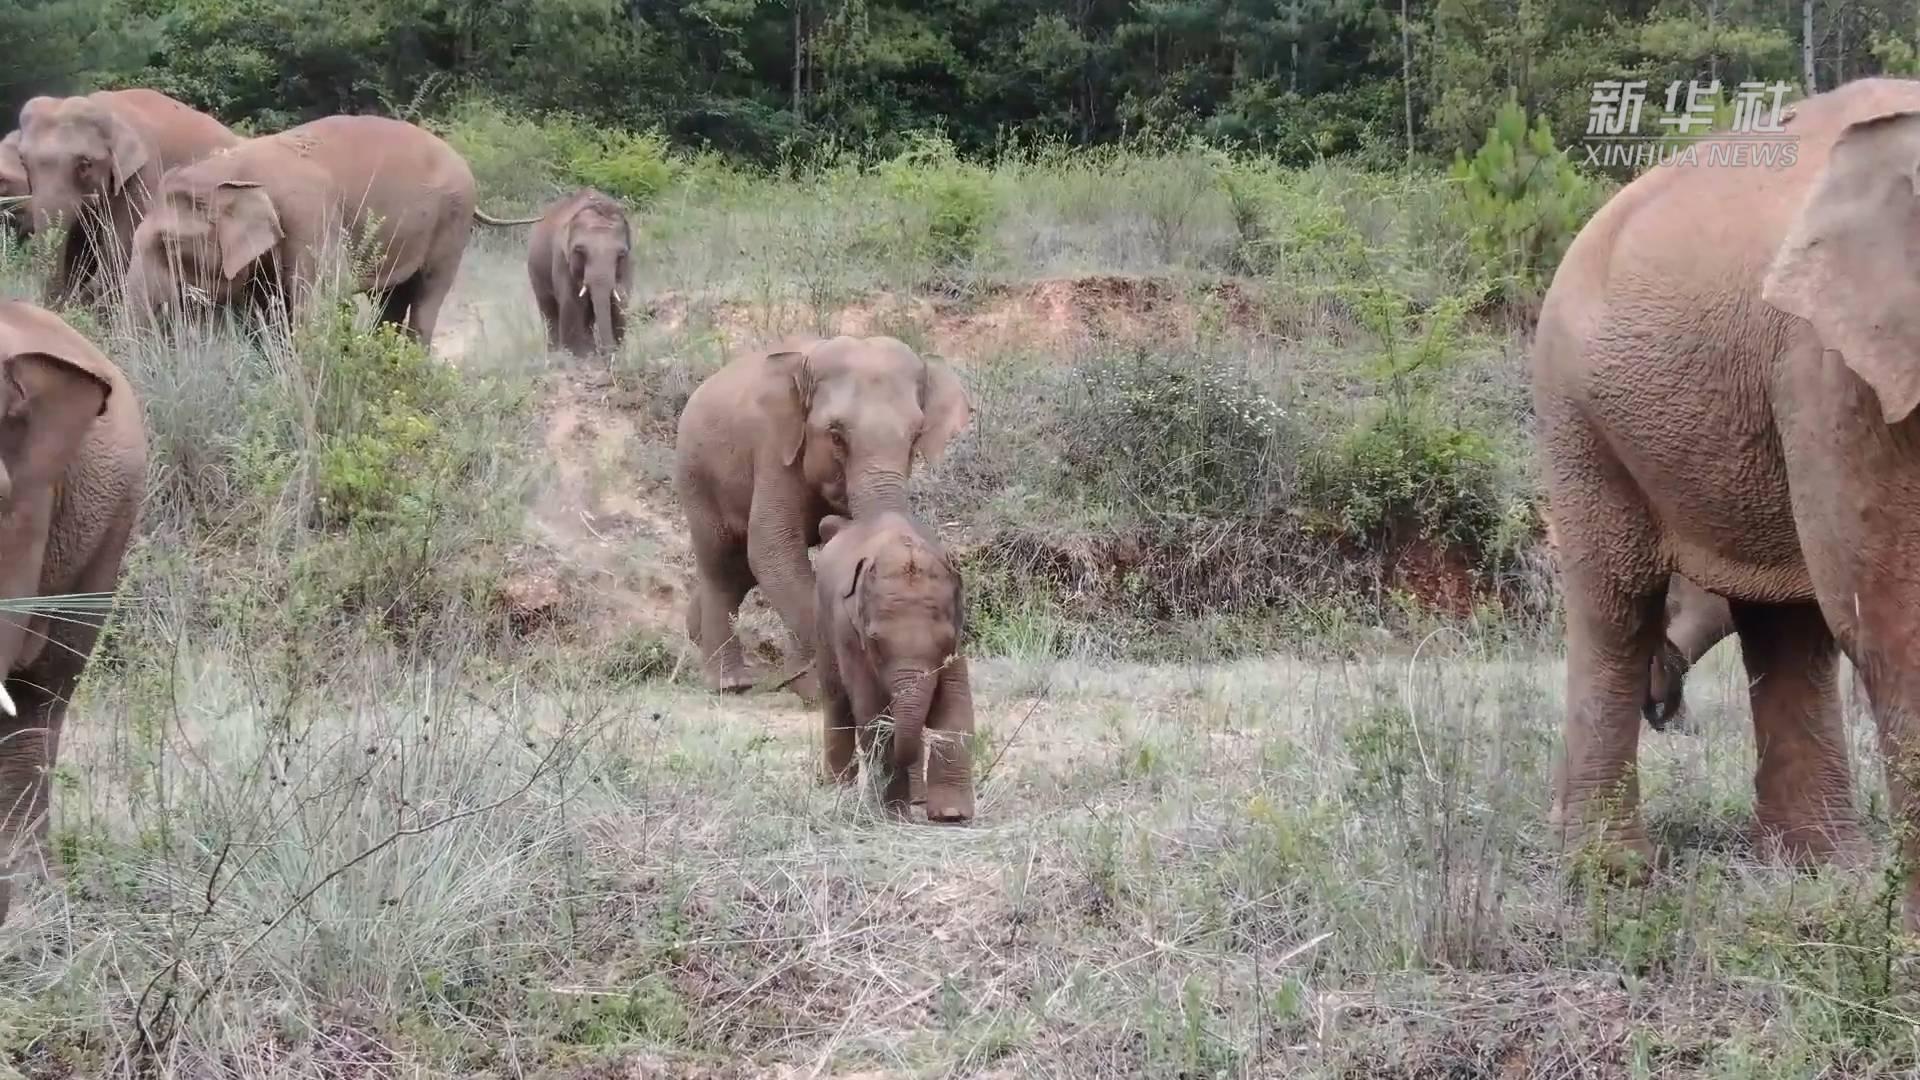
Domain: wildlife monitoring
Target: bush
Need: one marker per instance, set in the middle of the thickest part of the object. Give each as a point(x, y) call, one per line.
point(338, 479)
point(627, 166)
point(1172, 436)
point(1525, 198)
point(951, 202)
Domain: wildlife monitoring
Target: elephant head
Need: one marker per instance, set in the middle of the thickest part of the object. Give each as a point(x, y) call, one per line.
point(851, 412)
point(52, 387)
point(905, 606)
point(13, 184)
point(203, 242)
point(597, 242)
point(77, 153)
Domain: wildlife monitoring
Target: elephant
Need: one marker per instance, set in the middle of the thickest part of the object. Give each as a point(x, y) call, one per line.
point(1697, 620)
point(73, 471)
point(578, 263)
point(890, 611)
point(14, 214)
point(94, 163)
point(264, 222)
point(1769, 313)
point(775, 441)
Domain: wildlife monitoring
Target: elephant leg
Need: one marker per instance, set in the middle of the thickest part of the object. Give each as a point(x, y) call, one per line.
point(27, 748)
point(723, 579)
point(777, 554)
point(430, 295)
point(1803, 787)
point(549, 314)
point(843, 766)
point(949, 780)
point(1611, 638)
point(396, 304)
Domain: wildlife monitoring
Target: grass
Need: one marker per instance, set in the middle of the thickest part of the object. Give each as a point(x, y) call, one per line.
point(333, 803)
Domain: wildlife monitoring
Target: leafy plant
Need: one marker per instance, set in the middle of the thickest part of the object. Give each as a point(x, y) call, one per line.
point(1525, 198)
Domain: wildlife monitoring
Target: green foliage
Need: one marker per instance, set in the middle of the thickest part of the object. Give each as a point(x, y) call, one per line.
point(1525, 199)
point(950, 202)
point(1172, 435)
point(628, 166)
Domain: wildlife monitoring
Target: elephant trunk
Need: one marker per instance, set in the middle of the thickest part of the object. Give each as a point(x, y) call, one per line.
point(912, 696)
point(878, 491)
point(603, 315)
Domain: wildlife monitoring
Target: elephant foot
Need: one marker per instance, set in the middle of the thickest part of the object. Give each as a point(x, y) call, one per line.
point(950, 807)
point(1619, 849)
point(1806, 843)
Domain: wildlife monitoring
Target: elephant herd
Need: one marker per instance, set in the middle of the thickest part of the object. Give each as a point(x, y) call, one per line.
point(1726, 371)
point(159, 207)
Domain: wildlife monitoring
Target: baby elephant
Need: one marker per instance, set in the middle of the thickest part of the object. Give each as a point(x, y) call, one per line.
point(889, 610)
point(577, 262)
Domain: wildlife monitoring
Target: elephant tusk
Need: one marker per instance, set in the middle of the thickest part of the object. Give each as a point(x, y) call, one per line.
point(582, 292)
point(617, 298)
point(6, 702)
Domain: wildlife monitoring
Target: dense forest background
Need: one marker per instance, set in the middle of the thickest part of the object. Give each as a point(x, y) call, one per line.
point(766, 80)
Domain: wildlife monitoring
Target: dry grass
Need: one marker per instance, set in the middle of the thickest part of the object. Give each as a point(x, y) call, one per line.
point(289, 845)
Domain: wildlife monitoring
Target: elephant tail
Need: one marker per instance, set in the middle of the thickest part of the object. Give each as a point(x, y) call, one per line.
point(485, 218)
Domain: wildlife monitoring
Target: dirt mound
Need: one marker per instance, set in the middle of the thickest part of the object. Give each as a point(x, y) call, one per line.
point(1060, 313)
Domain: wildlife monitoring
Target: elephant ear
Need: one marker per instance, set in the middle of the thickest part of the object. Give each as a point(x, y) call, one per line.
point(129, 150)
point(52, 387)
point(246, 225)
point(791, 397)
point(1850, 264)
point(853, 602)
point(943, 401)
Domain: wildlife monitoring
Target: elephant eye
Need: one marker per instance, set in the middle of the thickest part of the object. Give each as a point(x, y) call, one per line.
point(838, 434)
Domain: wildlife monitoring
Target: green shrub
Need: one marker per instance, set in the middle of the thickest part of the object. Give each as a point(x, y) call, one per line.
point(1173, 435)
point(1412, 463)
point(1525, 198)
point(952, 202)
point(628, 166)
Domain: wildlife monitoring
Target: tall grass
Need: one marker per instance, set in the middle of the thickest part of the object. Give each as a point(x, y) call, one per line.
point(324, 809)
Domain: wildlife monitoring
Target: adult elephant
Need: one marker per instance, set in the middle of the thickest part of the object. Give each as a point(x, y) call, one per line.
point(579, 265)
point(94, 164)
point(1774, 315)
point(772, 443)
point(267, 221)
point(14, 214)
point(72, 474)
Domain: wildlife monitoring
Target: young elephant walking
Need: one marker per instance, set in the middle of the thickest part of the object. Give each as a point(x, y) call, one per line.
point(577, 262)
point(890, 614)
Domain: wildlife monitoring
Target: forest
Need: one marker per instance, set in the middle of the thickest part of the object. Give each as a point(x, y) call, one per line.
point(767, 81)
